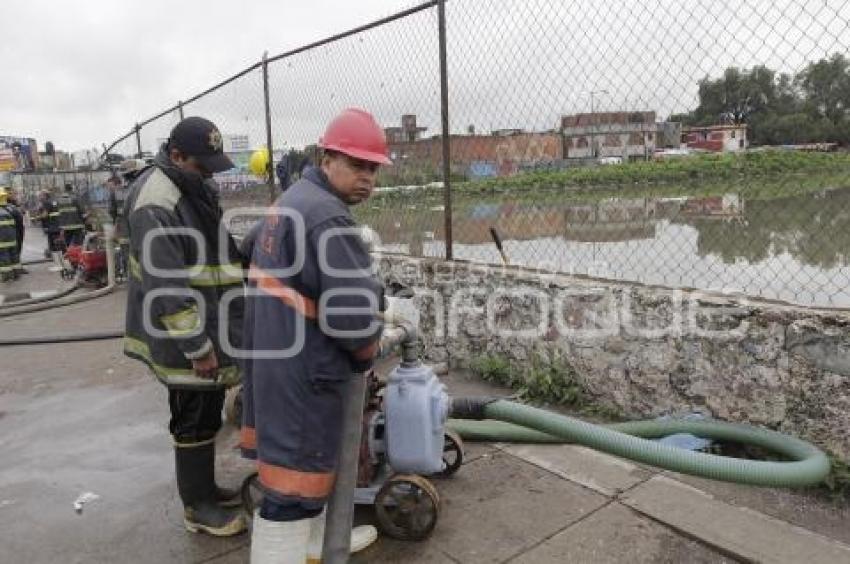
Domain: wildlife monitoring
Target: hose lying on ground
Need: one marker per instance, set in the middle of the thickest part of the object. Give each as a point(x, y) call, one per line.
point(513, 422)
point(7, 302)
point(56, 302)
point(56, 339)
point(67, 300)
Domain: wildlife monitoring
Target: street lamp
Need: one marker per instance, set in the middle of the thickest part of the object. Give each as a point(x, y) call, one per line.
point(594, 124)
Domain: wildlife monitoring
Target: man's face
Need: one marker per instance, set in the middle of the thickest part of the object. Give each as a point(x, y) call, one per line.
point(353, 179)
point(188, 164)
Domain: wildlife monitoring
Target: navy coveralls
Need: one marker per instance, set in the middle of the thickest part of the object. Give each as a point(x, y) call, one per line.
point(308, 263)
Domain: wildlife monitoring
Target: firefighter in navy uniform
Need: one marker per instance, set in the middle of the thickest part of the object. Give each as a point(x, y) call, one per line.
point(72, 217)
point(15, 209)
point(182, 268)
point(8, 240)
point(302, 269)
point(48, 213)
point(11, 206)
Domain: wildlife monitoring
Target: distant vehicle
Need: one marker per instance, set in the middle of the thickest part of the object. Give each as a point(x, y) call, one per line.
point(610, 160)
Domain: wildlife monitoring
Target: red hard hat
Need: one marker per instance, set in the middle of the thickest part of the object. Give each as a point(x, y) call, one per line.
point(356, 133)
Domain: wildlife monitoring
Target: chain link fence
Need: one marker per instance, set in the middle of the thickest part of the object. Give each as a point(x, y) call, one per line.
point(90, 185)
point(687, 144)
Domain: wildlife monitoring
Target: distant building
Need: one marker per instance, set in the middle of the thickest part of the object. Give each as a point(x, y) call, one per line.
point(85, 159)
point(407, 133)
point(718, 138)
point(59, 160)
point(481, 155)
point(625, 135)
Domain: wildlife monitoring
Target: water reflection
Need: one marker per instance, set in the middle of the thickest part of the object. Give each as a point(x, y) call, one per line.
point(792, 248)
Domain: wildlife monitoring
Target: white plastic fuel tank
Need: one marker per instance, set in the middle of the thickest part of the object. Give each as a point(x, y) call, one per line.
point(416, 407)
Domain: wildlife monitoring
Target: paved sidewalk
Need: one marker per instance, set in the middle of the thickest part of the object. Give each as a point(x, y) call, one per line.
point(81, 417)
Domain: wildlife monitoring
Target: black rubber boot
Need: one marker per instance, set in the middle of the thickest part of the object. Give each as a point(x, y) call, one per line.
point(228, 497)
point(195, 465)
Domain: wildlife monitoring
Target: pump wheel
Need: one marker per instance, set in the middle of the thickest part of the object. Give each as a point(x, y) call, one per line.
point(252, 493)
point(452, 454)
point(407, 507)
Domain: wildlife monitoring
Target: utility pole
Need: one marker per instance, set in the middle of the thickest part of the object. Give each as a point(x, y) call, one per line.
point(444, 126)
point(268, 115)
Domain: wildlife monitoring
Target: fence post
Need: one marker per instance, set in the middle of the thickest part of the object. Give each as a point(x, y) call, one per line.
point(267, 102)
point(444, 119)
point(180, 109)
point(138, 142)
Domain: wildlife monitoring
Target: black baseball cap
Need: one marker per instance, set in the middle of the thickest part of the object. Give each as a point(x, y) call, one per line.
point(200, 138)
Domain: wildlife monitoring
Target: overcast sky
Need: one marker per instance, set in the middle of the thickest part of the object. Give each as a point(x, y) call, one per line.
point(81, 73)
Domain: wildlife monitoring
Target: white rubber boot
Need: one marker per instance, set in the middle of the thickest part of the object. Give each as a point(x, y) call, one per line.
point(274, 542)
point(361, 537)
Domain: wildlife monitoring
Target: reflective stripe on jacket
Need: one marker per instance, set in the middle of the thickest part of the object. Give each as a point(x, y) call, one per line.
point(8, 241)
point(177, 286)
point(70, 213)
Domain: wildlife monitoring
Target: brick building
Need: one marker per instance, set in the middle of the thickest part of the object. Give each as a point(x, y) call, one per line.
point(407, 133)
point(473, 155)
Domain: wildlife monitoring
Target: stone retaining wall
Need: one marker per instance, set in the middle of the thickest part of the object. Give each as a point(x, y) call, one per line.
point(645, 351)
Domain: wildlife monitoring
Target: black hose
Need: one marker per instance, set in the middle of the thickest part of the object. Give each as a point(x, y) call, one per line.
point(57, 339)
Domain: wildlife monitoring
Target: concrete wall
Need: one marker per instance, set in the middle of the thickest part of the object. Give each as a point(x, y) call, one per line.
point(646, 351)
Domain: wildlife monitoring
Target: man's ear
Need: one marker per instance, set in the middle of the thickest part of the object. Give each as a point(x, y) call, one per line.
point(326, 162)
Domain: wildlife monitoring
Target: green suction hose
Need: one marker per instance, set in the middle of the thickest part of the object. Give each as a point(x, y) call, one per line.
point(514, 422)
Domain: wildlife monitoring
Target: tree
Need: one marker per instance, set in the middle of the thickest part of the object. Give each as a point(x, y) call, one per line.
point(737, 96)
point(811, 107)
point(787, 96)
point(826, 86)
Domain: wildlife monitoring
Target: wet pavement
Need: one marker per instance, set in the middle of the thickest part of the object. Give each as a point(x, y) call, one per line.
point(81, 417)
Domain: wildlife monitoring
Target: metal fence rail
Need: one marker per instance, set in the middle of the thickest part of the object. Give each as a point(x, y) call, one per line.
point(689, 144)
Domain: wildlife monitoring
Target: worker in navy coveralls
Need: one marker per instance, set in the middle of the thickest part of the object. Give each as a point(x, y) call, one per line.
point(310, 324)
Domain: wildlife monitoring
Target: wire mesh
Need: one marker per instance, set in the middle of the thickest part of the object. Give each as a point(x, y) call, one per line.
point(629, 141)
point(393, 72)
point(238, 110)
point(688, 144)
point(153, 134)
